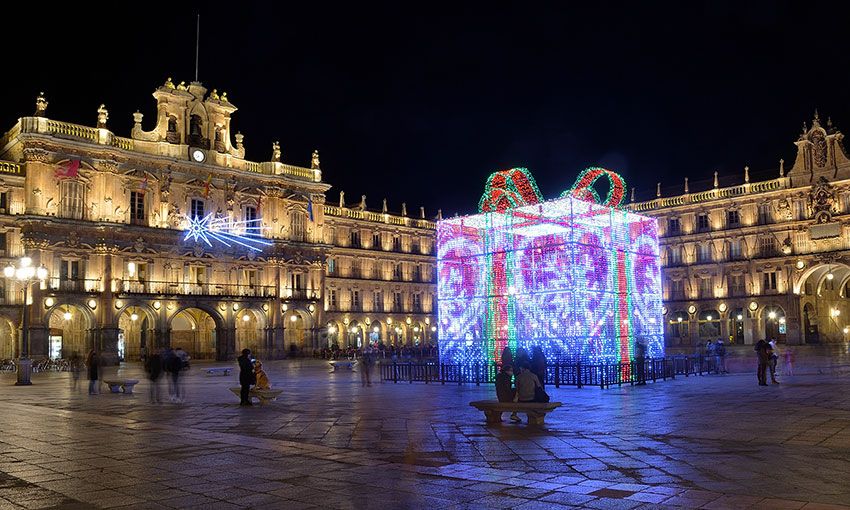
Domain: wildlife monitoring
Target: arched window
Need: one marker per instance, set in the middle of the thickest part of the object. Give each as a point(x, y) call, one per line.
point(709, 324)
point(677, 326)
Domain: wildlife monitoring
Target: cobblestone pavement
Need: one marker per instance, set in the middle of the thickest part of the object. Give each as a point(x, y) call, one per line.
point(702, 442)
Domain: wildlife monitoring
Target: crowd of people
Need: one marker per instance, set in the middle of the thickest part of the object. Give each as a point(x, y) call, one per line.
point(381, 351)
point(715, 351)
point(169, 363)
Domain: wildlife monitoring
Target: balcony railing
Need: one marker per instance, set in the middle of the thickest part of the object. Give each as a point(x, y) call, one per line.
point(301, 294)
point(196, 289)
point(75, 285)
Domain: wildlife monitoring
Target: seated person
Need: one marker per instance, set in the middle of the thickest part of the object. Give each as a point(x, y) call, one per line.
point(504, 388)
point(262, 379)
point(526, 382)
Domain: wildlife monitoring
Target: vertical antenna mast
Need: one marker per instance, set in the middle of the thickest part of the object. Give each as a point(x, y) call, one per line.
point(197, 44)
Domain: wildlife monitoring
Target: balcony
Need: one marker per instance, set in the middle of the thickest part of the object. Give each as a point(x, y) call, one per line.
point(75, 285)
point(302, 294)
point(195, 289)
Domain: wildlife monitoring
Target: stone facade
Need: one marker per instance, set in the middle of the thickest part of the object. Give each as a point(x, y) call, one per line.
point(761, 259)
point(108, 217)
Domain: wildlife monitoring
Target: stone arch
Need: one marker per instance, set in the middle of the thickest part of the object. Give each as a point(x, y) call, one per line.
point(334, 330)
point(398, 333)
point(377, 332)
point(355, 334)
point(771, 319)
point(250, 331)
point(417, 333)
point(297, 333)
point(199, 330)
point(819, 272)
point(8, 338)
point(69, 329)
point(136, 336)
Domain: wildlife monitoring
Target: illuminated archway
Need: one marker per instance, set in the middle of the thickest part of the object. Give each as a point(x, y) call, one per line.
point(194, 330)
point(8, 339)
point(69, 330)
point(296, 331)
point(250, 331)
point(136, 331)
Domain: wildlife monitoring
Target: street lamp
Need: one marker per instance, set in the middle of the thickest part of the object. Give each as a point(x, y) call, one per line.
point(26, 275)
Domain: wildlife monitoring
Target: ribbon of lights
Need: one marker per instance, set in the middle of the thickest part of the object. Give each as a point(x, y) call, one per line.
point(507, 189)
point(247, 233)
point(583, 187)
point(577, 278)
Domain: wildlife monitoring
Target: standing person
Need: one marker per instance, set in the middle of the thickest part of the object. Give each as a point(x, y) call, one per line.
point(788, 366)
point(76, 365)
point(367, 359)
point(93, 363)
point(774, 357)
point(720, 355)
point(763, 358)
point(184, 357)
point(174, 366)
point(504, 387)
point(246, 377)
point(538, 365)
point(640, 361)
point(153, 366)
point(709, 356)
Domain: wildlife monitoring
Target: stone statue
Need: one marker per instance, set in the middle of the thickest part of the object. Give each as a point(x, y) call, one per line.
point(384, 207)
point(263, 382)
point(422, 212)
point(169, 84)
point(362, 202)
point(276, 151)
point(314, 162)
point(40, 105)
point(214, 95)
point(342, 199)
point(224, 97)
point(439, 214)
point(174, 218)
point(102, 116)
point(404, 209)
point(182, 86)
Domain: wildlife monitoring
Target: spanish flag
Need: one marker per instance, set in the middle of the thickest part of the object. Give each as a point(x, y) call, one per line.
point(207, 186)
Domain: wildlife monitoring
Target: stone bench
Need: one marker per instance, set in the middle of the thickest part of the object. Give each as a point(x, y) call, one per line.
point(264, 396)
point(341, 363)
point(534, 411)
point(225, 371)
point(119, 385)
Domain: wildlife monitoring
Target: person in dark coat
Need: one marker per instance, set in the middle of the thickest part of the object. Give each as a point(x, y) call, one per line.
point(174, 365)
point(640, 361)
point(504, 386)
point(521, 359)
point(246, 377)
point(761, 349)
point(93, 363)
point(507, 356)
point(153, 366)
point(538, 365)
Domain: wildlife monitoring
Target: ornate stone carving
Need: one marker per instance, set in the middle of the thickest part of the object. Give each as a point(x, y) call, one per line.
point(139, 245)
point(822, 200)
point(276, 151)
point(783, 206)
point(36, 154)
point(40, 105)
point(102, 116)
point(174, 218)
point(73, 239)
point(314, 161)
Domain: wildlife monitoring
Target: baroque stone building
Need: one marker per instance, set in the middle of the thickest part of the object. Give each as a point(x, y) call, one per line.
point(172, 237)
point(761, 259)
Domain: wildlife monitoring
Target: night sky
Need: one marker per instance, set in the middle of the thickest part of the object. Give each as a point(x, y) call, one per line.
point(420, 102)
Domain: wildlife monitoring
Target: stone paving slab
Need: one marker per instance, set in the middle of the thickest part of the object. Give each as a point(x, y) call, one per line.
point(704, 442)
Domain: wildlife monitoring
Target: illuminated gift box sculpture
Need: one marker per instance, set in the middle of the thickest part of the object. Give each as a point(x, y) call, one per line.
point(579, 279)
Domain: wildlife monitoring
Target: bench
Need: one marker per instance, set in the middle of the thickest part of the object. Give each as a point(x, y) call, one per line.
point(225, 371)
point(119, 385)
point(264, 396)
point(534, 411)
point(341, 363)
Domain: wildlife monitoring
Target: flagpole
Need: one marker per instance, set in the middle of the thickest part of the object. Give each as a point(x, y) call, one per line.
point(197, 44)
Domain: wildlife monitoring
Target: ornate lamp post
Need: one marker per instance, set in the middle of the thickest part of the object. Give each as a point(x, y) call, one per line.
point(26, 275)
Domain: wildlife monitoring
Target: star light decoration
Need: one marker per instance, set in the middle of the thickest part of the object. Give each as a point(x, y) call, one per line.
point(224, 231)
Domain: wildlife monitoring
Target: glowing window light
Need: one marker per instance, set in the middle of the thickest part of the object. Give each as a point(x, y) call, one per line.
point(223, 230)
point(245, 317)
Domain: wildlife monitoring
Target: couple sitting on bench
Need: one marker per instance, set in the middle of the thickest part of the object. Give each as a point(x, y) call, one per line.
point(528, 387)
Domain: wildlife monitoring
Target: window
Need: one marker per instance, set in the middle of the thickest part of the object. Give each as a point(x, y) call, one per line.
point(733, 219)
point(196, 208)
point(769, 281)
point(767, 246)
point(705, 289)
point(737, 285)
point(378, 301)
point(703, 253)
point(396, 243)
point(198, 275)
point(414, 246)
point(702, 222)
point(4, 202)
point(356, 270)
point(355, 239)
point(376, 241)
point(417, 303)
point(296, 281)
point(397, 271)
point(736, 251)
point(332, 299)
point(800, 208)
point(764, 214)
point(355, 301)
point(397, 302)
point(296, 228)
point(417, 273)
point(70, 274)
point(3, 245)
point(137, 207)
point(252, 223)
point(249, 278)
point(677, 289)
point(673, 227)
point(331, 266)
point(73, 201)
point(674, 255)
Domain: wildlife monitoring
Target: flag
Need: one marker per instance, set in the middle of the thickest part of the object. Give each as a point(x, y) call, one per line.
point(310, 207)
point(70, 170)
point(207, 186)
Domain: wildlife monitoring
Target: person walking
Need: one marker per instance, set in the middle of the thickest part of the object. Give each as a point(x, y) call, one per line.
point(504, 387)
point(153, 367)
point(93, 363)
point(640, 362)
point(367, 359)
point(174, 365)
point(763, 359)
point(774, 357)
point(720, 356)
point(76, 366)
point(538, 365)
point(788, 366)
point(246, 377)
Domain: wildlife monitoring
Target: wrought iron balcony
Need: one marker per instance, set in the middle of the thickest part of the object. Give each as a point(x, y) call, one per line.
point(195, 289)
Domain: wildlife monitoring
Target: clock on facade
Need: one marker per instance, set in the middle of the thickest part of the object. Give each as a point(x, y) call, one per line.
point(198, 155)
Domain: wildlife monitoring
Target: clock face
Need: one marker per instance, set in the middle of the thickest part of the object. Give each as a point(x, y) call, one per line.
point(198, 155)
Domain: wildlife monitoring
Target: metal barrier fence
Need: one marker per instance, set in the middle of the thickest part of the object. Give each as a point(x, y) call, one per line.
point(557, 374)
